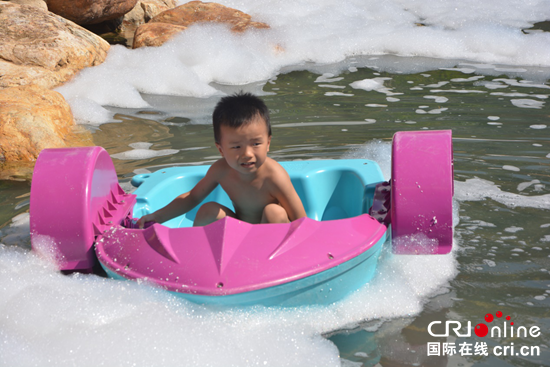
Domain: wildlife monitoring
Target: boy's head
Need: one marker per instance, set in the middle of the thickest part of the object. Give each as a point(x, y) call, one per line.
point(237, 110)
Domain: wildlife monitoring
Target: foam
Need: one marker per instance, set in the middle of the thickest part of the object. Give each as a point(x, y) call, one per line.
point(305, 34)
point(436, 111)
point(340, 94)
point(477, 189)
point(376, 84)
point(511, 168)
point(527, 103)
point(141, 151)
point(524, 185)
point(376, 150)
point(438, 99)
point(513, 229)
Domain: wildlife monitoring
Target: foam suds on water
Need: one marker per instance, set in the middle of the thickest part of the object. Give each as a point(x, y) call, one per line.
point(306, 34)
point(476, 189)
point(141, 151)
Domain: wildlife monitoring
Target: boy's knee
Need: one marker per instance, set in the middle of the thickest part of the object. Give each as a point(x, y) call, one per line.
point(274, 213)
point(208, 213)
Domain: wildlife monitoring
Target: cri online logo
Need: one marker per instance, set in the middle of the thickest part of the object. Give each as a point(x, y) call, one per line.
point(482, 329)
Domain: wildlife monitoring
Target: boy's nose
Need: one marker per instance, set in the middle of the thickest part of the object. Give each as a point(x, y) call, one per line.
point(248, 152)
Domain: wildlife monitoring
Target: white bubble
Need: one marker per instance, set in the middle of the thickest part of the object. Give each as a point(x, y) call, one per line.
point(522, 186)
point(527, 103)
point(513, 229)
point(141, 151)
point(437, 99)
point(330, 94)
point(327, 78)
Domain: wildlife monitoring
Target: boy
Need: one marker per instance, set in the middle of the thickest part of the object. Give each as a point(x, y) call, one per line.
point(259, 188)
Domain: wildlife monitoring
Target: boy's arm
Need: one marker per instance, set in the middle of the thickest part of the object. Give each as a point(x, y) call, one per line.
point(286, 194)
point(185, 202)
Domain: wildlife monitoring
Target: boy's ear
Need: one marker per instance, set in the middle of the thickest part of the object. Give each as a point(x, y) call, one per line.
point(268, 142)
point(219, 148)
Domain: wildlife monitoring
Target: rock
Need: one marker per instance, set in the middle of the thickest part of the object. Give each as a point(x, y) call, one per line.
point(40, 4)
point(197, 11)
point(33, 118)
point(143, 12)
point(193, 12)
point(155, 34)
point(16, 171)
point(42, 48)
point(90, 11)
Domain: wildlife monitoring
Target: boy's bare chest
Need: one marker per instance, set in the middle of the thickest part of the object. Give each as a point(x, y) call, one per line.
point(249, 198)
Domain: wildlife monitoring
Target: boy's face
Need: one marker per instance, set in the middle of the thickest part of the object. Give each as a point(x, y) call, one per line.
point(245, 148)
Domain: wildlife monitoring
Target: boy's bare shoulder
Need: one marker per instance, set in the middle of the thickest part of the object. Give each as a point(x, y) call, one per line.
point(275, 171)
point(219, 168)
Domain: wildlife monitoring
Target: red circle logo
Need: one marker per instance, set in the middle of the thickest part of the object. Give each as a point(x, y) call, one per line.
point(481, 330)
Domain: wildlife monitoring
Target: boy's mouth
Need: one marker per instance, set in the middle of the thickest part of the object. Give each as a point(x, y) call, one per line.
point(247, 164)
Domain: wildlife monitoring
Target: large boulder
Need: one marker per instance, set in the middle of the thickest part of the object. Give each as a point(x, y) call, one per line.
point(91, 11)
point(31, 119)
point(183, 16)
point(42, 48)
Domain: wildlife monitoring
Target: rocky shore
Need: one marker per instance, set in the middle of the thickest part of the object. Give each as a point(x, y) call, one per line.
point(45, 43)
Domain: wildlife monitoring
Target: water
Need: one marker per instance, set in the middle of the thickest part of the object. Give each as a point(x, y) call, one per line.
point(330, 97)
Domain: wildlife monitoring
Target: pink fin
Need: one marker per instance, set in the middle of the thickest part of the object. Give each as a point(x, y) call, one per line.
point(224, 237)
point(298, 232)
point(158, 237)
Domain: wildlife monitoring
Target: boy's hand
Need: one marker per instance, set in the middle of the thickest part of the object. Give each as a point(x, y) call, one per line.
point(146, 218)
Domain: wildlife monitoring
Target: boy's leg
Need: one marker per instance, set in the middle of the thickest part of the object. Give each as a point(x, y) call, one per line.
point(274, 213)
point(211, 212)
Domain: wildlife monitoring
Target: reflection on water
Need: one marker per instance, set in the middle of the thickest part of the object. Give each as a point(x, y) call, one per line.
point(499, 117)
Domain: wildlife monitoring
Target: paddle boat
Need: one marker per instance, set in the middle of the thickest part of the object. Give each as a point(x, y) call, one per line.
point(78, 207)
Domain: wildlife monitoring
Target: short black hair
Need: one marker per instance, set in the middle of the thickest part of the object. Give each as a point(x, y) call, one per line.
point(237, 110)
